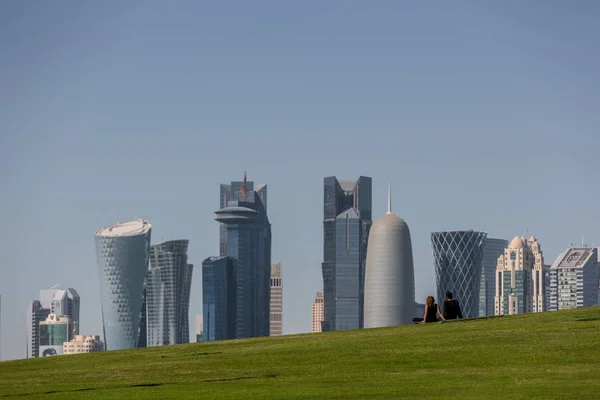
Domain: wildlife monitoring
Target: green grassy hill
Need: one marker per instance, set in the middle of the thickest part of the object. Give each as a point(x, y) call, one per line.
point(547, 356)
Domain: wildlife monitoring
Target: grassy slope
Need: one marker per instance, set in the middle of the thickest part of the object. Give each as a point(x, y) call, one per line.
point(549, 355)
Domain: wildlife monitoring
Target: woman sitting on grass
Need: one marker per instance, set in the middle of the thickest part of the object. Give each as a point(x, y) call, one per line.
point(431, 309)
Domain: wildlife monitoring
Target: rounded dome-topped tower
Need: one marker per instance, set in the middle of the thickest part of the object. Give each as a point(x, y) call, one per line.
point(517, 243)
point(389, 273)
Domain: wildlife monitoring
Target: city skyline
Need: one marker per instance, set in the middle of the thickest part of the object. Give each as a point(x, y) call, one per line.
point(478, 98)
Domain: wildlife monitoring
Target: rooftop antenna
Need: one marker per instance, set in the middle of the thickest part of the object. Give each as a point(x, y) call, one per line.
point(389, 211)
point(54, 287)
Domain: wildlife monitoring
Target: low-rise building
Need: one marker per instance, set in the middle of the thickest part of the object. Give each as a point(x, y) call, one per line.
point(83, 344)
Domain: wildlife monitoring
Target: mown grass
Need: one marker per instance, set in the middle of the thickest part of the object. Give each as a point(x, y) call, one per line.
point(546, 356)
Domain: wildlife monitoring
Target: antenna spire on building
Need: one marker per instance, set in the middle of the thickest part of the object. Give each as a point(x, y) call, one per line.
point(389, 211)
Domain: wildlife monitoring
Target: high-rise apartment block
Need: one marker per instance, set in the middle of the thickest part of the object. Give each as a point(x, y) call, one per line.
point(168, 294)
point(346, 225)
point(242, 273)
point(574, 279)
point(276, 324)
point(458, 260)
point(492, 249)
point(390, 274)
point(122, 252)
point(83, 344)
point(317, 312)
point(520, 283)
point(61, 303)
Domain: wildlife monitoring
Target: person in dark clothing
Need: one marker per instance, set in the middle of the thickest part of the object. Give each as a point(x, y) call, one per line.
point(431, 310)
point(451, 307)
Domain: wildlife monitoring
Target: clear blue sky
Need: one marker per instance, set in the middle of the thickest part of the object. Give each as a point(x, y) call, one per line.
point(482, 114)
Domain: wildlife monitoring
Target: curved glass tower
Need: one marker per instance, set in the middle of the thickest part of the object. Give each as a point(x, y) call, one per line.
point(389, 273)
point(458, 260)
point(168, 293)
point(122, 251)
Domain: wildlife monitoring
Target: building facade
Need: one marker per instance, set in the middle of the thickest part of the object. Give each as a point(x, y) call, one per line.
point(61, 302)
point(346, 225)
point(389, 274)
point(219, 299)
point(520, 278)
point(458, 260)
point(317, 313)
point(246, 238)
point(122, 252)
point(83, 344)
point(167, 294)
point(492, 249)
point(276, 308)
point(54, 332)
point(574, 279)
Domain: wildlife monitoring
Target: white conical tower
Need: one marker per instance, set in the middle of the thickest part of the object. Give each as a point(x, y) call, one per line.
point(389, 273)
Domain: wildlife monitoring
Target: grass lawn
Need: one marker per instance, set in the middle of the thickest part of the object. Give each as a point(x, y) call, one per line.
point(547, 356)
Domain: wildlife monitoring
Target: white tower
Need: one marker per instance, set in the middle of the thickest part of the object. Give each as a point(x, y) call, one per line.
point(389, 273)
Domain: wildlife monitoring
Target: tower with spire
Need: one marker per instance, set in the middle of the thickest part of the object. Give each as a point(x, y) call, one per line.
point(389, 274)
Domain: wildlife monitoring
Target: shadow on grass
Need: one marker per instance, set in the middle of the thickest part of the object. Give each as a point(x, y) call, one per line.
point(137, 385)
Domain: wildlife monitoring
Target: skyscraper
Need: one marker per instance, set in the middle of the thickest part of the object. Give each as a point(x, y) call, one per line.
point(492, 249)
point(62, 303)
point(346, 224)
point(389, 274)
point(574, 279)
point(246, 240)
point(458, 259)
point(167, 294)
point(317, 312)
point(520, 278)
point(34, 315)
point(276, 324)
point(122, 251)
point(219, 294)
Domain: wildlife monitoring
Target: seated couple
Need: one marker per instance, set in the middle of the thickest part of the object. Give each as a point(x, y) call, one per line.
point(451, 310)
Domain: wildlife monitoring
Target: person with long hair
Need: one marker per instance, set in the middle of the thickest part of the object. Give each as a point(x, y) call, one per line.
point(431, 311)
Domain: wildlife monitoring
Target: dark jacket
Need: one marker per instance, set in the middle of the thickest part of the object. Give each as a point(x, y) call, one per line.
point(452, 309)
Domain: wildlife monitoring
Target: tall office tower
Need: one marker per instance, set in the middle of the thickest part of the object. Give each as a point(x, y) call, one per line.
point(458, 259)
point(246, 237)
point(167, 294)
point(122, 252)
point(317, 313)
point(346, 224)
point(234, 192)
point(547, 289)
point(574, 279)
point(34, 315)
point(492, 249)
point(61, 302)
point(219, 298)
point(54, 332)
point(276, 324)
point(520, 278)
point(389, 273)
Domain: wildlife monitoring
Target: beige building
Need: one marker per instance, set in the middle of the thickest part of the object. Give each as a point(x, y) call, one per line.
point(520, 278)
point(276, 308)
point(83, 344)
point(317, 312)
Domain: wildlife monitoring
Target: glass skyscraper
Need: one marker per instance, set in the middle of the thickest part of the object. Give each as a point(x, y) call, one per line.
point(167, 294)
point(218, 298)
point(245, 237)
point(122, 251)
point(346, 224)
point(458, 260)
point(492, 249)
